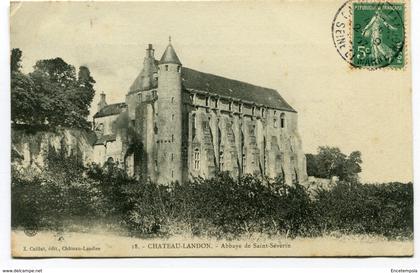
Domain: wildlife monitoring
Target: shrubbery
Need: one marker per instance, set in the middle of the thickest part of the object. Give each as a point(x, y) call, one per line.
point(219, 207)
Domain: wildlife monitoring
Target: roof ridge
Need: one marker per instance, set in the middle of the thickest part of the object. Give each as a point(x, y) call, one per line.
point(226, 78)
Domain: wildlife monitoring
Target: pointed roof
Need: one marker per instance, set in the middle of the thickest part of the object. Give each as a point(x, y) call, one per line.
point(169, 56)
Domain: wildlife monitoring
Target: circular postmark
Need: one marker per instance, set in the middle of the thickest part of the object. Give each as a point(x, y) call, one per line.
point(31, 230)
point(370, 34)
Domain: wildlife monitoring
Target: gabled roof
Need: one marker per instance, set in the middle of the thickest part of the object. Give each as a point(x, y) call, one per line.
point(110, 110)
point(169, 56)
point(193, 79)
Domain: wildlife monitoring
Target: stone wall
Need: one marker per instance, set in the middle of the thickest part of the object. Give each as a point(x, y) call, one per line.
point(30, 149)
point(242, 139)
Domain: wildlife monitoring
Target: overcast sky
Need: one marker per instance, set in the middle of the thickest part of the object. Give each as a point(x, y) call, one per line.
point(282, 45)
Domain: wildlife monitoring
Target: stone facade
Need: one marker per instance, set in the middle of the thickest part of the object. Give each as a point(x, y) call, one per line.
point(178, 123)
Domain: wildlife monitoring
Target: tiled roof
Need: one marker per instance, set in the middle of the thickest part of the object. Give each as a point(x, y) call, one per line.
point(110, 110)
point(193, 79)
point(104, 139)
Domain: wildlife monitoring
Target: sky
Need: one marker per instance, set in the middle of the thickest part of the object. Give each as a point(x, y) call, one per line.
point(285, 45)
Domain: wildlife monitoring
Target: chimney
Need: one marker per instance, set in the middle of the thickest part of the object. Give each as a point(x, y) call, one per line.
point(102, 103)
point(150, 52)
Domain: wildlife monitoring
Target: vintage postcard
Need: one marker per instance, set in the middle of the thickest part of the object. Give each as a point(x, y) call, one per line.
point(189, 129)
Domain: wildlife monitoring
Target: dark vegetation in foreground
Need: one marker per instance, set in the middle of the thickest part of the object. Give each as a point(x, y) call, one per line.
point(221, 207)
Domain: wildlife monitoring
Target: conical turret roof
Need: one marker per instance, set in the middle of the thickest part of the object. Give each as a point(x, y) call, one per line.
point(169, 56)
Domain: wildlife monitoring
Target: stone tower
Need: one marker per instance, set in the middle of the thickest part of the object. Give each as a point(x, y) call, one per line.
point(169, 118)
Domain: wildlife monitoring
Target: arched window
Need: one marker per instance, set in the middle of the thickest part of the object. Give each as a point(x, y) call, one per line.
point(196, 159)
point(282, 120)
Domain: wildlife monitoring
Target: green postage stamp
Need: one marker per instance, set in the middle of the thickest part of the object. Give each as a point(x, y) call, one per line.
point(374, 33)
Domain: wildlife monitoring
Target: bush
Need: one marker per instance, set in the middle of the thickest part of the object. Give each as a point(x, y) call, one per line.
point(219, 207)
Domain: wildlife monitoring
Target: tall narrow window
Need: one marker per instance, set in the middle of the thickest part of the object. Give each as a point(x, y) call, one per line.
point(166, 67)
point(244, 163)
point(282, 120)
point(275, 123)
point(172, 157)
point(262, 112)
point(172, 138)
point(240, 108)
point(221, 162)
point(173, 117)
point(207, 101)
point(179, 68)
point(172, 174)
point(265, 156)
point(172, 100)
point(194, 125)
point(196, 159)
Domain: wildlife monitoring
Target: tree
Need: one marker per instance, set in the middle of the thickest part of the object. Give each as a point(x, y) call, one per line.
point(15, 60)
point(24, 99)
point(330, 161)
point(52, 95)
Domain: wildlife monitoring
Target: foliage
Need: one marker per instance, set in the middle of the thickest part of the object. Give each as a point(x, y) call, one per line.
point(51, 94)
point(61, 192)
point(221, 206)
point(385, 209)
point(330, 161)
point(15, 60)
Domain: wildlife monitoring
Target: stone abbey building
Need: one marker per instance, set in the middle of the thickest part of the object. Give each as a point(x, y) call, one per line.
point(177, 123)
